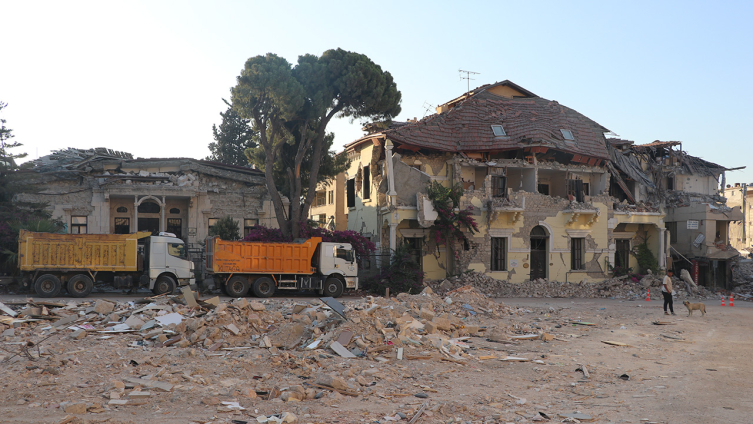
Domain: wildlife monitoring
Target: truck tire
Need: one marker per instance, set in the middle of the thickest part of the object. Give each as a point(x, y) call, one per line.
point(333, 287)
point(164, 284)
point(237, 286)
point(80, 285)
point(47, 285)
point(264, 287)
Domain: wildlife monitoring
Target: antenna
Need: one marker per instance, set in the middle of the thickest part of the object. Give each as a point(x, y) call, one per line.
point(428, 107)
point(468, 77)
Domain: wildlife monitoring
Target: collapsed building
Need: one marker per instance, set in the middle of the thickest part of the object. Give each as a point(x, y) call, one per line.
point(697, 216)
point(741, 232)
point(102, 191)
point(536, 175)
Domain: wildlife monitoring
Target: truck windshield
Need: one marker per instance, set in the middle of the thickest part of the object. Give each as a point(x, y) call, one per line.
point(176, 249)
point(345, 254)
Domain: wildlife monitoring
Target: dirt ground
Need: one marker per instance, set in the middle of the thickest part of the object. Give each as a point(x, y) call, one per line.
point(694, 370)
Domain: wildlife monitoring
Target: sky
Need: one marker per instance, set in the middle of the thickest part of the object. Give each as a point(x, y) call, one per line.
point(149, 77)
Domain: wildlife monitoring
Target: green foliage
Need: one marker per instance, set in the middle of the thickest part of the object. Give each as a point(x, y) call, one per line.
point(646, 258)
point(226, 228)
point(449, 225)
point(7, 159)
point(232, 138)
point(290, 108)
point(618, 271)
point(402, 275)
point(9, 238)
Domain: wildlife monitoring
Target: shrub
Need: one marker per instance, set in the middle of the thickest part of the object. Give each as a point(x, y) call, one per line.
point(226, 228)
point(402, 275)
point(646, 258)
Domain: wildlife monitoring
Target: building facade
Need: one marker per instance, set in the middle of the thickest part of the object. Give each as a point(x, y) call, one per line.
point(741, 232)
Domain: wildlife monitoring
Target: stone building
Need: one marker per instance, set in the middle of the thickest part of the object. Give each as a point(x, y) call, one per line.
point(105, 192)
point(537, 176)
point(741, 232)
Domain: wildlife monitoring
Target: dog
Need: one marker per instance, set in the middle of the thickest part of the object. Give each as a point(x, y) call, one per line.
point(692, 306)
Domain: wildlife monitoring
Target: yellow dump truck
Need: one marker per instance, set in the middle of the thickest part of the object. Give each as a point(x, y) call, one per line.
point(263, 267)
point(49, 262)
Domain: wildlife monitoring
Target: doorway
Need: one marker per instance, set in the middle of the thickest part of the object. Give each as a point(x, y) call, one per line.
point(538, 252)
point(149, 224)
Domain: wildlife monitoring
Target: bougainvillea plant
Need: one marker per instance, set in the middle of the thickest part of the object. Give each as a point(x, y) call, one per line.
point(362, 246)
point(449, 225)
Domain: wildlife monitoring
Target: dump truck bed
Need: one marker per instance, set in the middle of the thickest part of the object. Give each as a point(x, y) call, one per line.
point(95, 252)
point(247, 257)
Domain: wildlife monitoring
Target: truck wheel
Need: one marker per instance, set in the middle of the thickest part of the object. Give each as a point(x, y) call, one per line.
point(264, 287)
point(80, 285)
point(164, 284)
point(237, 286)
point(333, 287)
point(48, 285)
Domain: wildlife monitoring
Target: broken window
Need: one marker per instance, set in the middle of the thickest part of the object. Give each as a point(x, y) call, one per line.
point(175, 226)
point(575, 189)
point(122, 226)
point(415, 247)
point(672, 228)
point(211, 223)
point(499, 186)
point(543, 189)
point(351, 187)
point(670, 183)
point(78, 225)
point(587, 189)
point(622, 254)
point(577, 253)
point(366, 183)
point(499, 257)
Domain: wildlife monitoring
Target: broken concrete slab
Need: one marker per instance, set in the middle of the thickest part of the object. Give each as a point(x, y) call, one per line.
point(103, 306)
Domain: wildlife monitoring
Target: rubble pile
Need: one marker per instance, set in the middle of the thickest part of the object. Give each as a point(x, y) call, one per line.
point(625, 287)
point(262, 352)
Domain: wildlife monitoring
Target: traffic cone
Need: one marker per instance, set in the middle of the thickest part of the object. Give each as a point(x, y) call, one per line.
point(648, 295)
point(731, 300)
point(723, 300)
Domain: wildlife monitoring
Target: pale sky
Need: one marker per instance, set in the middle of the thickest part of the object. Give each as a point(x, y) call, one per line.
point(149, 77)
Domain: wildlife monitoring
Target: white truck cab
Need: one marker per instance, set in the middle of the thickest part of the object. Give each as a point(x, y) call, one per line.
point(339, 258)
point(169, 266)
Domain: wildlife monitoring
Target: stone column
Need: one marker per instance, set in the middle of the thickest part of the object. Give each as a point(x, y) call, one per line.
point(662, 252)
point(393, 237)
point(162, 222)
point(135, 225)
point(390, 172)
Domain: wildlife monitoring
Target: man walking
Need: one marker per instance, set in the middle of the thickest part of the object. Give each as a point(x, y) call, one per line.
point(666, 292)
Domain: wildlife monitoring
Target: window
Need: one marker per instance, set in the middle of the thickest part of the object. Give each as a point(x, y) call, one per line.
point(622, 254)
point(575, 189)
point(499, 257)
point(345, 254)
point(567, 135)
point(176, 249)
point(211, 223)
point(416, 247)
point(498, 131)
point(149, 207)
point(499, 186)
point(670, 183)
point(672, 228)
point(577, 254)
point(175, 211)
point(351, 193)
point(122, 226)
point(248, 225)
point(587, 189)
point(78, 225)
point(331, 197)
point(366, 183)
point(122, 209)
point(322, 218)
point(175, 226)
point(320, 199)
point(544, 189)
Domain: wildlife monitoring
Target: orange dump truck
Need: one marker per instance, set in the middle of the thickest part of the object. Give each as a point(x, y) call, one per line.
point(48, 262)
point(263, 267)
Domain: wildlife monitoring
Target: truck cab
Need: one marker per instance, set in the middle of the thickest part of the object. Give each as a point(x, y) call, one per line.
point(339, 258)
point(168, 263)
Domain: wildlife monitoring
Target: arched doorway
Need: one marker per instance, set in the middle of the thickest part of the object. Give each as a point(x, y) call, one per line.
point(539, 260)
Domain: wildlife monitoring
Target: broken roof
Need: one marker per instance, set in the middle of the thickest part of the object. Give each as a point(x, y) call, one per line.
point(527, 121)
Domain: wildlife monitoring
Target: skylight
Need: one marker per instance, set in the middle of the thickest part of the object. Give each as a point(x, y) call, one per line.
point(498, 131)
point(567, 134)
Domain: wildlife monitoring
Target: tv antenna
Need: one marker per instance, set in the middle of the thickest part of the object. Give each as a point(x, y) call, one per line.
point(428, 108)
point(468, 77)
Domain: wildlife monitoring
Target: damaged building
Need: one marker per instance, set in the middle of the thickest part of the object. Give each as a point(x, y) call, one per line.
point(102, 191)
point(536, 175)
point(741, 232)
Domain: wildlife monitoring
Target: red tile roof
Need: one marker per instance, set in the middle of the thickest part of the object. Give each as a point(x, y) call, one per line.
point(532, 121)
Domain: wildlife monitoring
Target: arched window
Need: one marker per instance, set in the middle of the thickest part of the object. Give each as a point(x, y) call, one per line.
point(538, 232)
point(149, 207)
point(122, 209)
point(175, 210)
